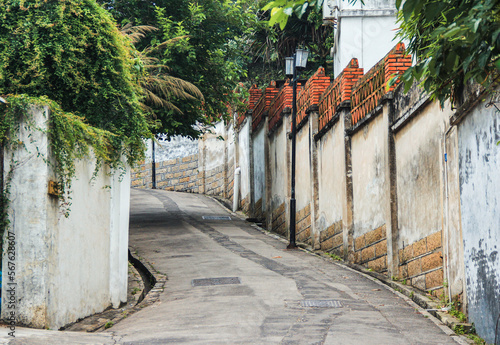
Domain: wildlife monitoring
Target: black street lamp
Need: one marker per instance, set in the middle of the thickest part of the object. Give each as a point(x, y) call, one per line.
point(293, 65)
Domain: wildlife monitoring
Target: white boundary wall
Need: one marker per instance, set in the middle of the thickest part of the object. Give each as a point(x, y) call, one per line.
point(64, 268)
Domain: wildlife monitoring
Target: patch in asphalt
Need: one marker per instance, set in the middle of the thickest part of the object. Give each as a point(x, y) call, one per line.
point(216, 217)
point(215, 281)
point(321, 303)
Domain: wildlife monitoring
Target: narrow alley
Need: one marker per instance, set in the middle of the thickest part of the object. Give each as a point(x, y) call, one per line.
point(273, 296)
point(274, 301)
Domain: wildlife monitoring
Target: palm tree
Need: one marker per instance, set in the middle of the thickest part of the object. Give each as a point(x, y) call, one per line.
point(157, 85)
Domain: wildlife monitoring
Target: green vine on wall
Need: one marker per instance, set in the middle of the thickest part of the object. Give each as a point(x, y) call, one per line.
point(70, 140)
point(70, 56)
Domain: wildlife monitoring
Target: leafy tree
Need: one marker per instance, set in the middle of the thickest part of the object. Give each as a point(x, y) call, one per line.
point(206, 50)
point(157, 85)
point(72, 52)
point(282, 10)
point(269, 45)
point(453, 42)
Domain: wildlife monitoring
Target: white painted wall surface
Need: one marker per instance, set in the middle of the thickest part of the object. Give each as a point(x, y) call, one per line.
point(119, 225)
point(368, 174)
point(420, 167)
point(29, 213)
point(175, 147)
point(278, 166)
point(259, 164)
point(479, 169)
point(66, 268)
point(303, 168)
point(364, 31)
point(244, 156)
point(214, 146)
point(331, 175)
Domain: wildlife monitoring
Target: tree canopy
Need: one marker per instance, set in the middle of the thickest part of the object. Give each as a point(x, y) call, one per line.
point(269, 45)
point(215, 45)
point(206, 49)
point(452, 41)
point(72, 52)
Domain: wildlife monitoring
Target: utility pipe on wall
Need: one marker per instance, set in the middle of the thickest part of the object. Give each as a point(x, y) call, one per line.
point(236, 189)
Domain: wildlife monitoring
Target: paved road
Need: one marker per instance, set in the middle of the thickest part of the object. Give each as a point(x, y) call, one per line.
point(268, 306)
point(271, 304)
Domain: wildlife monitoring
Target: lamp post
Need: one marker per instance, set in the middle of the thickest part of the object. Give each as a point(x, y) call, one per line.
point(153, 170)
point(292, 66)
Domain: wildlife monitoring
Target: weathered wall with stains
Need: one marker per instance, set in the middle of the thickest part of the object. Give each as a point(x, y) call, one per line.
point(56, 257)
point(419, 165)
point(331, 188)
point(244, 163)
point(259, 169)
point(479, 166)
point(368, 174)
point(205, 165)
point(420, 190)
point(303, 184)
point(278, 169)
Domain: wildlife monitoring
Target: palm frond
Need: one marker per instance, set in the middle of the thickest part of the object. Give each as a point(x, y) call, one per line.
point(136, 33)
point(158, 87)
point(165, 43)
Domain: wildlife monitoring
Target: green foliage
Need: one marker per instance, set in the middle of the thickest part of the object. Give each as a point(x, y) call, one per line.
point(456, 311)
point(70, 139)
point(453, 41)
point(209, 55)
point(334, 256)
point(269, 45)
point(459, 329)
point(72, 52)
point(282, 10)
point(205, 47)
point(476, 339)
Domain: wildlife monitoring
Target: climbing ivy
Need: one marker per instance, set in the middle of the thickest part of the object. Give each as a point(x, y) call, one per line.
point(72, 52)
point(69, 56)
point(70, 139)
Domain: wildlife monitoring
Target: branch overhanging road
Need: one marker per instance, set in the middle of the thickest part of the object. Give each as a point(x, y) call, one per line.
point(277, 296)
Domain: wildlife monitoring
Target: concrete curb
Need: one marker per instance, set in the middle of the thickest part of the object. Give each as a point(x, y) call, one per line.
point(111, 316)
point(151, 297)
point(426, 305)
point(154, 294)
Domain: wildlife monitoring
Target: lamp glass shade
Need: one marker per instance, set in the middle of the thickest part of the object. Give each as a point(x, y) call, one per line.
point(289, 66)
point(301, 56)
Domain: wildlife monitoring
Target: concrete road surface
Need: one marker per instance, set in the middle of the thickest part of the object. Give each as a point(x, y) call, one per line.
point(269, 295)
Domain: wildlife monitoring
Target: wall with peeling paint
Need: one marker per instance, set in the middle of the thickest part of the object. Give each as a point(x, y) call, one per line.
point(369, 180)
point(420, 166)
point(259, 168)
point(479, 166)
point(331, 191)
point(303, 168)
point(244, 152)
point(65, 268)
point(278, 172)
